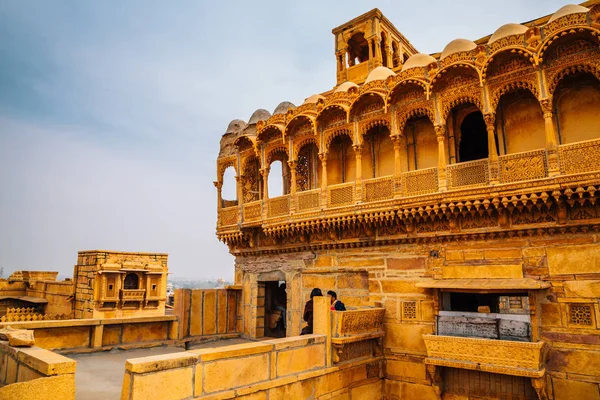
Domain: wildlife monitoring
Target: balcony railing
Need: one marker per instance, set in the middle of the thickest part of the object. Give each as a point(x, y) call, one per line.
point(574, 158)
point(485, 325)
point(229, 215)
point(579, 157)
point(356, 333)
point(468, 174)
point(378, 188)
point(253, 211)
point(340, 195)
point(279, 206)
point(523, 166)
point(308, 200)
point(133, 294)
point(421, 181)
point(490, 355)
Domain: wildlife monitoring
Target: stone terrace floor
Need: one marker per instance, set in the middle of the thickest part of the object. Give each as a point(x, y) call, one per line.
point(99, 376)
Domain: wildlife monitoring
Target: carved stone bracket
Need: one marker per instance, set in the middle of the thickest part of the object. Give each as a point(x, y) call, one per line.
point(435, 374)
point(539, 384)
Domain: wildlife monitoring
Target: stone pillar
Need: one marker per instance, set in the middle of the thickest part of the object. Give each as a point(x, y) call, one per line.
point(323, 158)
point(292, 164)
point(322, 322)
point(440, 132)
point(239, 189)
point(397, 155)
point(490, 124)
point(390, 61)
point(551, 138)
point(265, 174)
point(219, 186)
point(358, 156)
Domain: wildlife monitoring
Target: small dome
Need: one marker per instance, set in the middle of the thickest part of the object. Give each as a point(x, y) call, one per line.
point(235, 125)
point(283, 107)
point(313, 99)
point(508, 30)
point(344, 87)
point(418, 60)
point(568, 9)
point(456, 46)
point(259, 115)
point(379, 74)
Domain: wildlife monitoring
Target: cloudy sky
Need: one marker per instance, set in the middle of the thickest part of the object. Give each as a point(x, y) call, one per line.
point(111, 111)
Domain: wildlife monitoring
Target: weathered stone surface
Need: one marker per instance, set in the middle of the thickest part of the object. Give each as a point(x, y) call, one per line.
point(580, 259)
point(17, 337)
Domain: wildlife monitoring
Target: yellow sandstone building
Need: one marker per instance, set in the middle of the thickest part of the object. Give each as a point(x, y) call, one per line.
point(455, 190)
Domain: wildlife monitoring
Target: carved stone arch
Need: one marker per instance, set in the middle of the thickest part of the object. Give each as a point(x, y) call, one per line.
point(299, 124)
point(244, 143)
point(458, 86)
point(269, 133)
point(391, 98)
point(272, 153)
point(367, 105)
point(365, 126)
point(557, 30)
point(331, 116)
point(446, 69)
point(223, 165)
point(588, 67)
point(303, 142)
point(404, 115)
point(247, 160)
point(332, 134)
point(497, 57)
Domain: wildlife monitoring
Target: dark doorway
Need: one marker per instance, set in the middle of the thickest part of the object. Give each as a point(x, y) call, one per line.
point(473, 138)
point(275, 309)
point(131, 281)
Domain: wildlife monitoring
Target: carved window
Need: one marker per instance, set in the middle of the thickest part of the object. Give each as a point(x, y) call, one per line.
point(306, 169)
point(132, 281)
point(251, 183)
point(581, 315)
point(409, 310)
point(358, 49)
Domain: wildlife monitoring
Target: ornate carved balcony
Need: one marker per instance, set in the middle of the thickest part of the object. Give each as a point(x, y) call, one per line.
point(469, 174)
point(421, 181)
point(356, 333)
point(497, 356)
point(133, 294)
point(308, 200)
point(579, 157)
point(229, 216)
point(340, 195)
point(378, 188)
point(279, 206)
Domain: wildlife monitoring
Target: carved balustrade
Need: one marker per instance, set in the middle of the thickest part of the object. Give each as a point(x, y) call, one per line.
point(253, 211)
point(523, 166)
point(579, 157)
point(279, 206)
point(308, 200)
point(378, 188)
point(490, 355)
point(356, 333)
point(340, 195)
point(229, 216)
point(469, 174)
point(421, 181)
point(132, 294)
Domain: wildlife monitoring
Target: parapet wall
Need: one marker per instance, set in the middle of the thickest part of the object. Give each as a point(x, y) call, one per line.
point(76, 335)
point(294, 368)
point(33, 373)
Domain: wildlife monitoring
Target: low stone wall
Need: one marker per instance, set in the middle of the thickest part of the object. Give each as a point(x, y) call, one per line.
point(294, 368)
point(203, 313)
point(33, 373)
point(76, 335)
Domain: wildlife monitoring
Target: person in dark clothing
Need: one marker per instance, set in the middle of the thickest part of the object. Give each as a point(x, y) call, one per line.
point(308, 312)
point(336, 305)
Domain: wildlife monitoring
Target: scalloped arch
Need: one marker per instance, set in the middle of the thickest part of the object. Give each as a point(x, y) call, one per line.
point(511, 87)
point(492, 57)
point(268, 128)
point(404, 83)
point(310, 119)
point(403, 116)
point(442, 71)
point(223, 167)
point(303, 142)
point(546, 44)
point(344, 109)
point(588, 67)
point(275, 150)
point(362, 96)
point(329, 136)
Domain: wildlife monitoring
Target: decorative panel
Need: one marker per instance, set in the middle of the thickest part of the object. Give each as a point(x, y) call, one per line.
point(378, 188)
point(471, 173)
point(523, 166)
point(420, 182)
point(229, 216)
point(579, 157)
point(308, 200)
point(341, 194)
point(279, 206)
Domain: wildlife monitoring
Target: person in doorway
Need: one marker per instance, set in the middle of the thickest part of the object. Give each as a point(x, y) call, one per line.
point(309, 311)
point(336, 305)
point(279, 302)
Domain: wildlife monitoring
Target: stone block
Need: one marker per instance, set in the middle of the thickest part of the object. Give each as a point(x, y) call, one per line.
point(400, 286)
point(27, 374)
point(406, 337)
point(551, 314)
point(406, 263)
point(362, 262)
point(324, 261)
point(210, 312)
point(161, 362)
point(482, 271)
point(195, 313)
point(254, 396)
point(491, 254)
point(46, 362)
point(411, 391)
point(54, 387)
point(588, 289)
point(230, 373)
point(473, 254)
point(567, 260)
point(17, 337)
point(570, 389)
point(221, 311)
point(370, 391)
point(318, 281)
point(171, 384)
point(406, 370)
point(145, 332)
point(296, 390)
point(352, 281)
point(580, 361)
point(299, 360)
